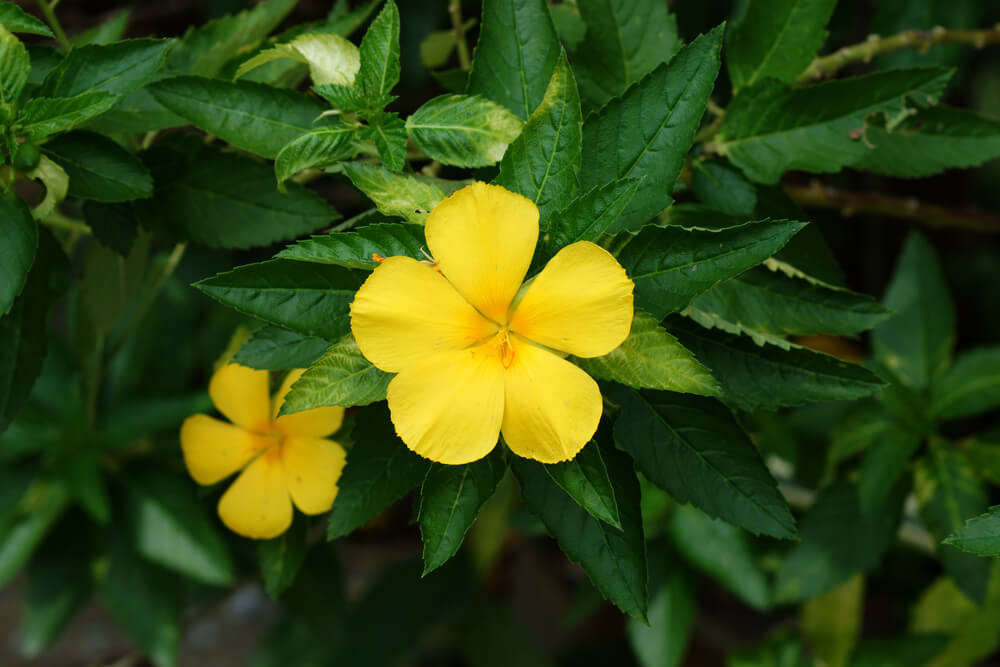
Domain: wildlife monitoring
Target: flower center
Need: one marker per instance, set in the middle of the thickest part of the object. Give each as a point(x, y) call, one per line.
point(271, 444)
point(505, 347)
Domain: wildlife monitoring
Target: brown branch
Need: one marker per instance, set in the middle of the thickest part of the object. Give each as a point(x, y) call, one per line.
point(817, 195)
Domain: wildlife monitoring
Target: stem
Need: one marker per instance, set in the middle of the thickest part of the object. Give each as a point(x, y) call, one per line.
point(59, 221)
point(48, 10)
point(817, 195)
point(875, 45)
point(455, 10)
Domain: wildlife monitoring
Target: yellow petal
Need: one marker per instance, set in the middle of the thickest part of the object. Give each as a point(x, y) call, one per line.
point(448, 407)
point(243, 396)
point(551, 407)
point(257, 504)
point(482, 238)
point(312, 468)
point(214, 450)
point(406, 311)
point(580, 303)
point(315, 423)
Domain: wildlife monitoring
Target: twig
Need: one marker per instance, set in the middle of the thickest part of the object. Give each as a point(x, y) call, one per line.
point(455, 10)
point(48, 10)
point(817, 195)
point(875, 45)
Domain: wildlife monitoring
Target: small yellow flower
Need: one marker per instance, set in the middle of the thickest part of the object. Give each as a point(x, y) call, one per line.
point(477, 353)
point(290, 459)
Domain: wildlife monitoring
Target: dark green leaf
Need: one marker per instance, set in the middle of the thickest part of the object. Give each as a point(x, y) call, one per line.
point(399, 195)
point(316, 148)
point(17, 252)
point(723, 188)
point(113, 225)
point(979, 535)
point(99, 169)
point(379, 72)
point(274, 349)
point(883, 464)
point(16, 20)
point(588, 216)
point(585, 478)
point(281, 558)
point(117, 68)
point(388, 132)
point(342, 376)
point(136, 113)
point(463, 130)
point(971, 386)
point(20, 537)
point(111, 30)
point(355, 250)
point(916, 650)
point(42, 116)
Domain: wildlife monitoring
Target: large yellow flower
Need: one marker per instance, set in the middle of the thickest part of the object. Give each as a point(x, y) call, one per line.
point(290, 459)
point(477, 353)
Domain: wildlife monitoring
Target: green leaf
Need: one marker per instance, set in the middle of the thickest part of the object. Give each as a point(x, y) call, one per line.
point(331, 58)
point(970, 387)
point(56, 183)
point(342, 376)
point(99, 169)
point(650, 358)
point(136, 113)
point(904, 651)
point(883, 464)
point(379, 72)
point(588, 216)
point(316, 148)
point(395, 194)
point(463, 130)
point(670, 266)
point(108, 285)
point(42, 116)
point(979, 535)
point(692, 448)
point(776, 40)
point(765, 376)
point(281, 558)
point(662, 643)
point(722, 551)
point(450, 498)
point(515, 55)
point(831, 622)
point(17, 252)
point(916, 342)
point(543, 161)
point(224, 200)
point(983, 449)
point(378, 472)
point(949, 492)
point(15, 66)
point(274, 349)
point(820, 127)
point(345, 98)
point(585, 478)
point(117, 68)
point(615, 560)
point(722, 188)
point(837, 541)
point(625, 40)
point(111, 30)
point(311, 299)
point(251, 116)
point(388, 132)
point(20, 537)
point(929, 142)
point(16, 20)
point(355, 250)
point(648, 130)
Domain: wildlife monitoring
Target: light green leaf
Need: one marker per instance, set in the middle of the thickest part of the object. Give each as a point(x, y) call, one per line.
point(111, 30)
point(281, 558)
point(463, 130)
point(342, 376)
point(315, 148)
point(330, 57)
point(117, 68)
point(395, 194)
point(42, 116)
point(17, 251)
point(346, 98)
point(831, 622)
point(388, 132)
point(56, 183)
point(99, 169)
point(662, 643)
point(979, 535)
point(16, 20)
point(970, 387)
point(15, 66)
point(380, 54)
point(356, 250)
point(585, 478)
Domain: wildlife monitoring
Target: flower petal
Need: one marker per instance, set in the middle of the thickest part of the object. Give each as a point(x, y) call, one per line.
point(483, 237)
point(257, 504)
point(580, 303)
point(448, 407)
point(406, 311)
point(312, 468)
point(315, 423)
point(551, 407)
point(214, 450)
point(243, 396)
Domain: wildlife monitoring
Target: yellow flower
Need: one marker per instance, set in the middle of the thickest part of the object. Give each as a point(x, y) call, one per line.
point(290, 459)
point(477, 353)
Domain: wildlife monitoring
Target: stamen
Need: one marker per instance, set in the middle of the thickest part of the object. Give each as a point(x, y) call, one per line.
point(377, 258)
point(506, 350)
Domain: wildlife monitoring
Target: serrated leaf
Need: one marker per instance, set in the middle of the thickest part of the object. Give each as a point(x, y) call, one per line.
point(273, 348)
point(588, 216)
point(342, 376)
point(970, 387)
point(463, 130)
point(316, 148)
point(647, 132)
point(650, 358)
point(820, 127)
point(692, 448)
point(670, 266)
point(615, 560)
point(585, 478)
point(136, 113)
point(223, 200)
point(624, 41)
point(42, 116)
point(331, 58)
point(380, 54)
point(776, 39)
point(99, 169)
point(722, 188)
point(388, 132)
point(281, 558)
point(345, 98)
point(356, 250)
point(450, 498)
point(395, 194)
point(117, 68)
point(543, 161)
point(17, 252)
point(16, 20)
point(979, 535)
point(379, 470)
point(15, 66)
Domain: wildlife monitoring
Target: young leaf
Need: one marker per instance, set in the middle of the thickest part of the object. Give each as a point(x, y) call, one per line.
point(281, 558)
point(615, 560)
point(970, 387)
point(670, 265)
point(16, 20)
point(463, 130)
point(650, 358)
point(388, 132)
point(42, 116)
point(355, 250)
point(692, 448)
point(274, 349)
point(331, 58)
point(521, 32)
point(648, 130)
point(342, 376)
point(819, 128)
point(316, 148)
point(585, 478)
point(117, 68)
point(379, 72)
point(99, 169)
point(979, 535)
point(15, 66)
point(395, 194)
point(450, 498)
point(378, 472)
point(17, 252)
point(309, 298)
point(543, 161)
point(776, 40)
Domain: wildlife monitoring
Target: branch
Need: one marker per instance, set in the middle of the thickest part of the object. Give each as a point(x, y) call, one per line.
point(875, 45)
point(817, 195)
